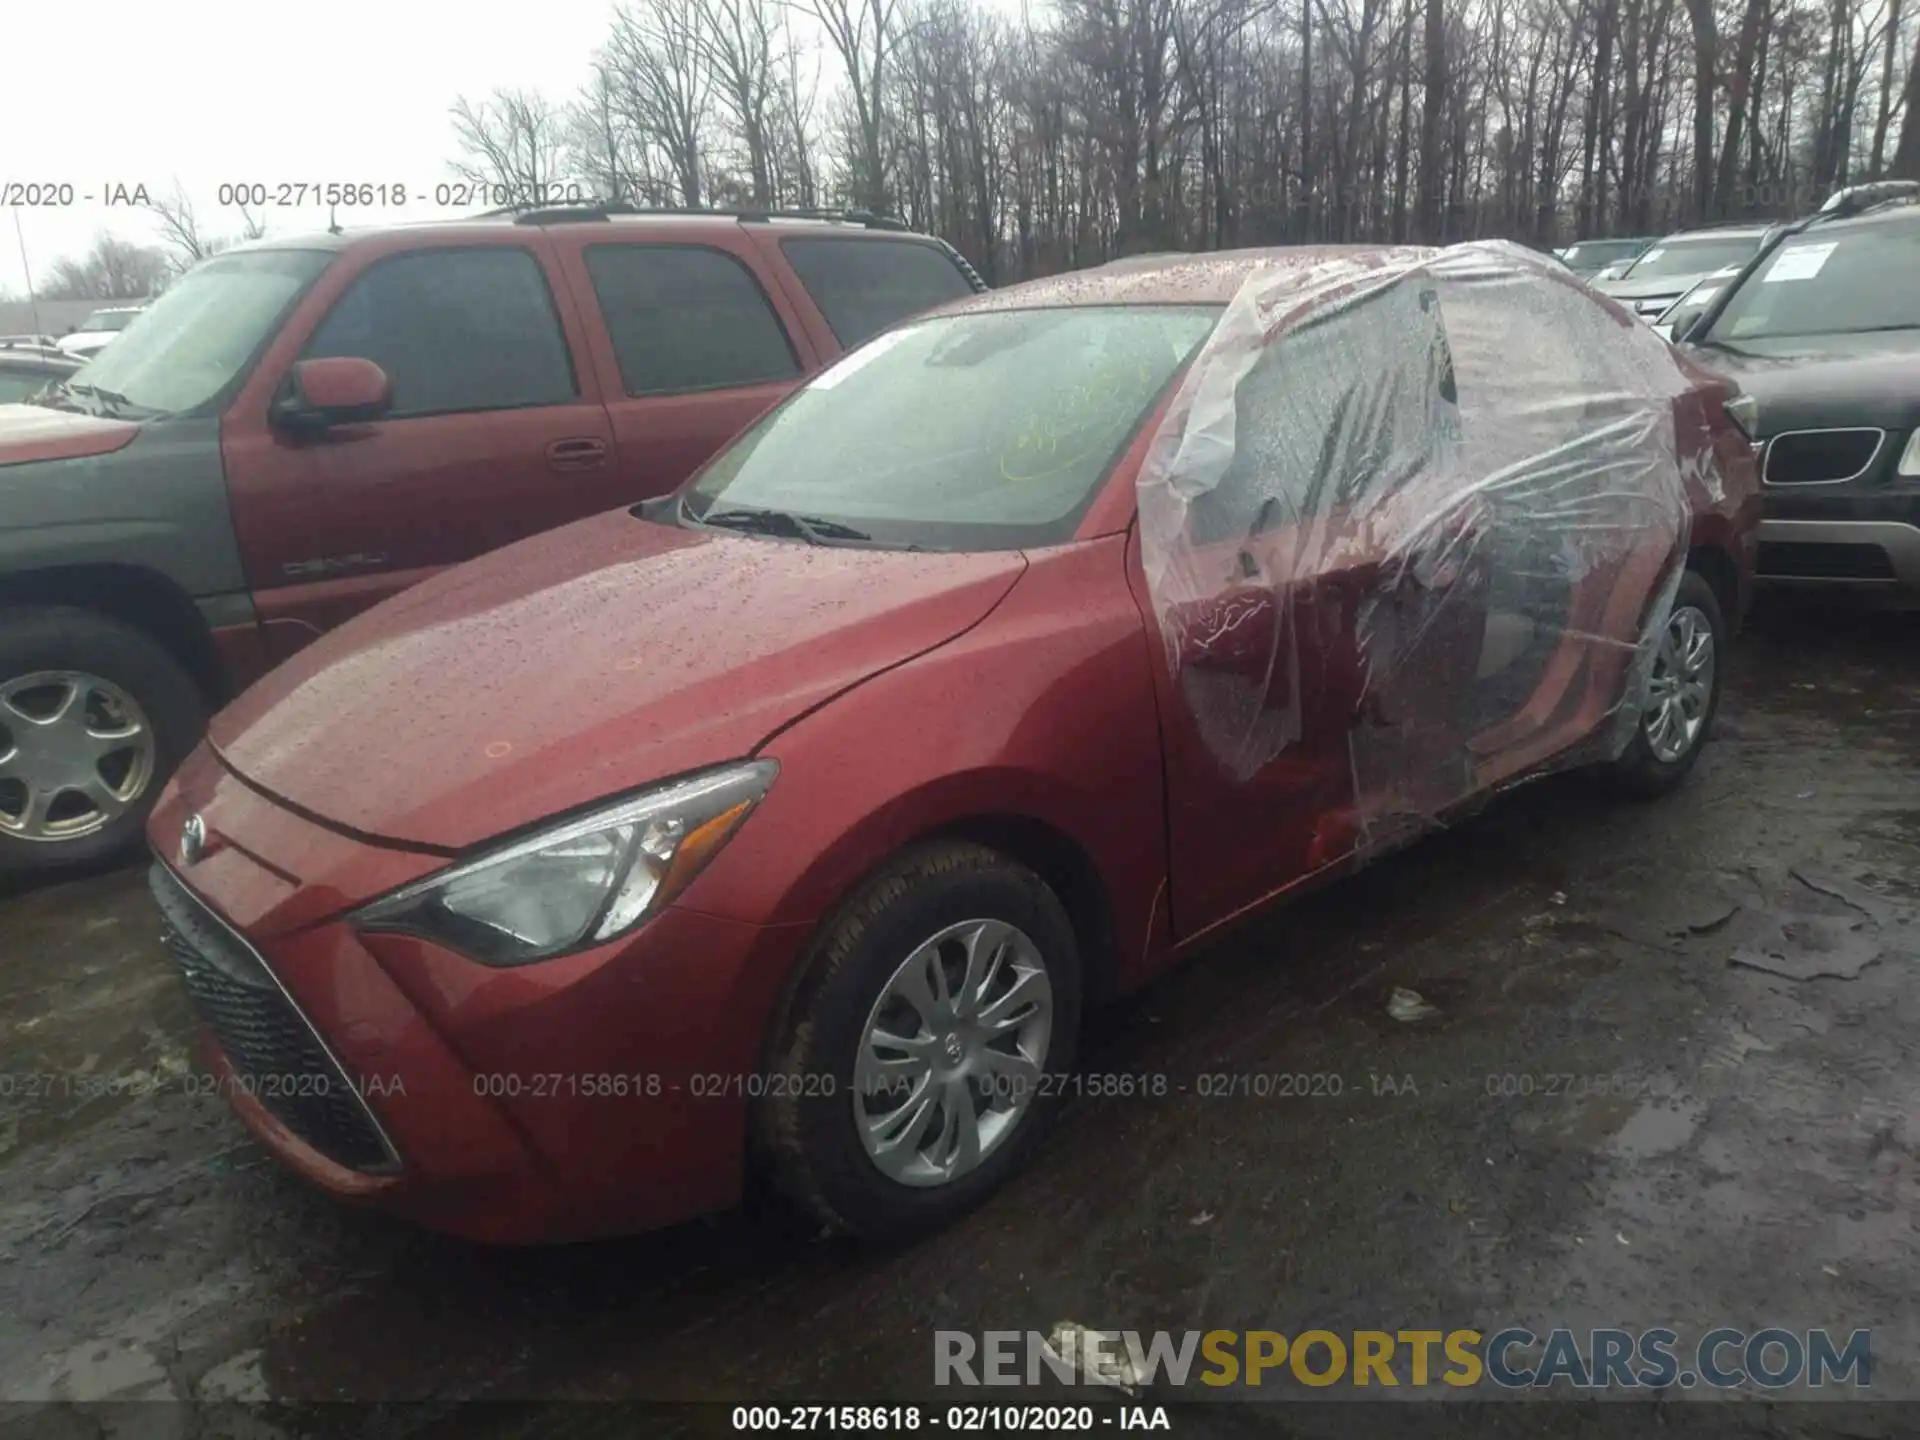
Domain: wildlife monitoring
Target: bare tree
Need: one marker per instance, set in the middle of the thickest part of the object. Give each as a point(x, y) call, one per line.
point(862, 33)
point(112, 269)
point(514, 143)
point(663, 85)
point(186, 241)
point(744, 42)
point(1086, 129)
point(1906, 159)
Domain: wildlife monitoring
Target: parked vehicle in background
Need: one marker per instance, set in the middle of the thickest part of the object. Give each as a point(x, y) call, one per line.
point(1822, 331)
point(1673, 266)
point(1681, 314)
point(1588, 257)
point(25, 372)
point(790, 822)
point(98, 330)
point(299, 428)
point(29, 342)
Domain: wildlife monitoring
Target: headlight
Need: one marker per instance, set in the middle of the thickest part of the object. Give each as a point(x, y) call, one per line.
point(1910, 458)
point(1744, 411)
point(582, 882)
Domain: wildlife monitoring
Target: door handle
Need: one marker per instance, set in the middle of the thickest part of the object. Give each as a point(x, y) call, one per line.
point(582, 453)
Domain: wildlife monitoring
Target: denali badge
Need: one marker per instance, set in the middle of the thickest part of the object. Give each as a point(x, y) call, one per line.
point(193, 840)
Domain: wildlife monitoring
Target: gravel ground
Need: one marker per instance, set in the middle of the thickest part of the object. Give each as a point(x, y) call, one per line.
point(1608, 1120)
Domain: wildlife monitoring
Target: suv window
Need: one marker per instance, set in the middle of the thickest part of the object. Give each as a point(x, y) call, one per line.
point(863, 286)
point(687, 317)
point(455, 330)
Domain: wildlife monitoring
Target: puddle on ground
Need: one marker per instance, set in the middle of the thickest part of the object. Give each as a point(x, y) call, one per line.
point(1659, 1127)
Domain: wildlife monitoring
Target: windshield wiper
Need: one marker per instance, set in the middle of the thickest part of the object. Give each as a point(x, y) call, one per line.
point(110, 404)
point(1731, 349)
point(811, 529)
point(111, 398)
point(53, 396)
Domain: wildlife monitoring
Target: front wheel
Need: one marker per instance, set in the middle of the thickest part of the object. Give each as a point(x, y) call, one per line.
point(924, 1048)
point(1683, 694)
point(94, 715)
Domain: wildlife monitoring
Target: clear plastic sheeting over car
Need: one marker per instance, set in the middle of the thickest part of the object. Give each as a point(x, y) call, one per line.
point(1426, 507)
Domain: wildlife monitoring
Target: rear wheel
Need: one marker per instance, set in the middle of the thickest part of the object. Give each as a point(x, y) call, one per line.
point(920, 1057)
point(93, 718)
point(1683, 694)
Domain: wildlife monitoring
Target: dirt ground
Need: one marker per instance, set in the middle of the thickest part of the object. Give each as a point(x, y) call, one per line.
point(1734, 1147)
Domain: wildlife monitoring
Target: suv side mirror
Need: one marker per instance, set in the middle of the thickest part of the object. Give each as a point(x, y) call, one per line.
point(337, 390)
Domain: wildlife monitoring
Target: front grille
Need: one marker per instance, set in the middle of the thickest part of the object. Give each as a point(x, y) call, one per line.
point(1823, 560)
point(1821, 457)
point(280, 1059)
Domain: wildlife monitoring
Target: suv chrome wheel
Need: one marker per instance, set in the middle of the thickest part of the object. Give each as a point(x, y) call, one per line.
point(75, 752)
point(1681, 688)
point(952, 1052)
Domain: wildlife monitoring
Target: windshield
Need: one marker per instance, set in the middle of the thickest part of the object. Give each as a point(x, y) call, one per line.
point(1692, 257)
point(1593, 254)
point(198, 336)
point(1832, 283)
point(983, 431)
point(108, 320)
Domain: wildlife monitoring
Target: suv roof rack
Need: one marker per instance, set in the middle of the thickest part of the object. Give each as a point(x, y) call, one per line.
point(1856, 198)
point(607, 210)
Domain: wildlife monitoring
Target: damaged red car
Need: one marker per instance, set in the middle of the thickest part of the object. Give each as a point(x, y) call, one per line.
point(790, 824)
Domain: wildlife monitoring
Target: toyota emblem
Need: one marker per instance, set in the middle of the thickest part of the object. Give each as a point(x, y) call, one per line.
point(193, 840)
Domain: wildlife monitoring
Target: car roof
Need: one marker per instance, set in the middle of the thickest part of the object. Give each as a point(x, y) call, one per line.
point(1168, 278)
point(1887, 212)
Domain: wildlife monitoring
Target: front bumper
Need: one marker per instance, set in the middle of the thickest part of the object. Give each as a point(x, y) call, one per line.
point(1865, 554)
point(597, 1094)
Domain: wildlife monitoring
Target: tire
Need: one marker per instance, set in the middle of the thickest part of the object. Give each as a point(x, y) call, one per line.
point(102, 663)
point(1642, 771)
point(809, 1128)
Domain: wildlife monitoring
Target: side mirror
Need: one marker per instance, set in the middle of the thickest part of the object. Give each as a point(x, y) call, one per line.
point(1680, 322)
point(338, 390)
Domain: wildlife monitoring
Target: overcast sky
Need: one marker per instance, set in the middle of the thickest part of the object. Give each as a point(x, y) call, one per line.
point(211, 91)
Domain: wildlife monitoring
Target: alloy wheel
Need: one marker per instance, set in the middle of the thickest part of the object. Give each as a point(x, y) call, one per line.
point(1681, 688)
point(953, 1052)
point(76, 752)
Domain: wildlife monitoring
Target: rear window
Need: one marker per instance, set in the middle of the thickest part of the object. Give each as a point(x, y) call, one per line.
point(863, 286)
point(685, 318)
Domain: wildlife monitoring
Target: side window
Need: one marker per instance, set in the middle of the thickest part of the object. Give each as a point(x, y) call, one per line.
point(455, 330)
point(863, 286)
point(686, 317)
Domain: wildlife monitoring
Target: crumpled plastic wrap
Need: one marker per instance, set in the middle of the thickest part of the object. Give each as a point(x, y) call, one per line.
point(1426, 505)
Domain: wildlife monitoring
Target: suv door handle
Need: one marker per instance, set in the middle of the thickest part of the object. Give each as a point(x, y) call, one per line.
point(582, 453)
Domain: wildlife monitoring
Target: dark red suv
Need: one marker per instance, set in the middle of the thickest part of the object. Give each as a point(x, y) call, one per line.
point(300, 428)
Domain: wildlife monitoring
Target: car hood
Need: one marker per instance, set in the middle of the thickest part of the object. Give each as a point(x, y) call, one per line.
point(585, 662)
point(1810, 382)
point(1631, 289)
point(36, 432)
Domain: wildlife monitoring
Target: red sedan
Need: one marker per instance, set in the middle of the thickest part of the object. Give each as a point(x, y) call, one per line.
point(793, 821)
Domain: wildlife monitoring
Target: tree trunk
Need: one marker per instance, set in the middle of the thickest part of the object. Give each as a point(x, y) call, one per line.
point(1906, 159)
point(1706, 46)
point(1432, 113)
